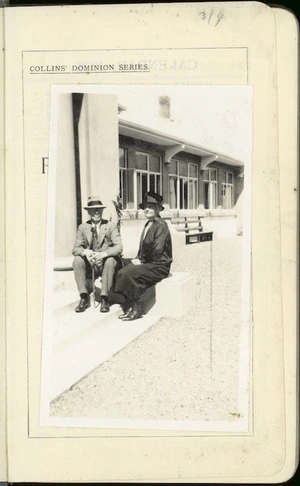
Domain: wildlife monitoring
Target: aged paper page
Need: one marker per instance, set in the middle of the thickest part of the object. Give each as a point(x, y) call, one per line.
point(3, 475)
point(289, 187)
point(192, 50)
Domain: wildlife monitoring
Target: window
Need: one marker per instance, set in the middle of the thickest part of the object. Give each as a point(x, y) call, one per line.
point(227, 189)
point(148, 174)
point(210, 188)
point(183, 185)
point(137, 176)
point(123, 177)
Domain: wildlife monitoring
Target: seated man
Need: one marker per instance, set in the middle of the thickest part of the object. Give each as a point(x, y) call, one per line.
point(97, 253)
point(153, 260)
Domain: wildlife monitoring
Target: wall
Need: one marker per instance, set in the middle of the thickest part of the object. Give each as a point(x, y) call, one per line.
point(99, 151)
point(65, 194)
point(99, 165)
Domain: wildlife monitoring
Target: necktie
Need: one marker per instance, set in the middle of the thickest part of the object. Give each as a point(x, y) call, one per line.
point(94, 238)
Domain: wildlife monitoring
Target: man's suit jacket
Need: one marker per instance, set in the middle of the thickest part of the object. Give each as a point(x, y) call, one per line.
point(109, 239)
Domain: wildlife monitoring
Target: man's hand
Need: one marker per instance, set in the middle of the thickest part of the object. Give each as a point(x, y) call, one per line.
point(102, 254)
point(94, 256)
point(98, 257)
point(87, 253)
point(136, 261)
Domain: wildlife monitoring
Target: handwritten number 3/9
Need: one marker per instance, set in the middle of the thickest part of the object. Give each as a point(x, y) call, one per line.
point(210, 17)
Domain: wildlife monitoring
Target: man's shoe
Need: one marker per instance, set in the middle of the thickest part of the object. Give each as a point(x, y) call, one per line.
point(83, 304)
point(104, 307)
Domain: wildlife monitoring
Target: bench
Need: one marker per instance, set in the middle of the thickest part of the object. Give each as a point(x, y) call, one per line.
point(192, 226)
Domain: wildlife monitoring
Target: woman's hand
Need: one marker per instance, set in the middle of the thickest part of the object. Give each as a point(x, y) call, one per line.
point(136, 261)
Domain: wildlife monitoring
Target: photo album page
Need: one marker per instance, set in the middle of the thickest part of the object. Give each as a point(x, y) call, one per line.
point(149, 179)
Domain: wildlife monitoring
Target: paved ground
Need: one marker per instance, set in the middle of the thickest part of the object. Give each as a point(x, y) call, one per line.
point(180, 369)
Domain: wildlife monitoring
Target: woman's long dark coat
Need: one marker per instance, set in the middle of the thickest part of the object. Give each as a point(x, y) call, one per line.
point(155, 254)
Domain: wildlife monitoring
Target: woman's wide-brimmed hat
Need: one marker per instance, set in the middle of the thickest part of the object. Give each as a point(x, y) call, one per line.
point(94, 203)
point(152, 197)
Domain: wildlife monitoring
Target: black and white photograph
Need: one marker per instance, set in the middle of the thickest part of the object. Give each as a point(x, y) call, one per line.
point(147, 301)
point(149, 313)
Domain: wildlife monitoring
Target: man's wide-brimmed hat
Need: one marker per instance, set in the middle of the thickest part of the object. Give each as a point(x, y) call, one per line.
point(152, 197)
point(94, 203)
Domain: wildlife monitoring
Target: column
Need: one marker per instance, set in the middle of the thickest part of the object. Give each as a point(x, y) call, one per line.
point(65, 190)
point(99, 151)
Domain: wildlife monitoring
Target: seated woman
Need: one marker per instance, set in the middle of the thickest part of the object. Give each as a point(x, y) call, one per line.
point(153, 261)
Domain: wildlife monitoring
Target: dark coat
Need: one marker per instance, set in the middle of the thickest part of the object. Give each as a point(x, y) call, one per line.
point(155, 253)
point(157, 245)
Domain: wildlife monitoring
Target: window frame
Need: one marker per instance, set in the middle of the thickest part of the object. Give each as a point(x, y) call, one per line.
point(212, 188)
point(157, 175)
point(123, 178)
point(225, 185)
point(182, 179)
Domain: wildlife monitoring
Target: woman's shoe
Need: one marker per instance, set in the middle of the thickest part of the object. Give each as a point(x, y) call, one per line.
point(125, 314)
point(127, 308)
point(135, 313)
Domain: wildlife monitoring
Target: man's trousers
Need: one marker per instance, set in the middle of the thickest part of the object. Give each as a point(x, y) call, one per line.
point(84, 277)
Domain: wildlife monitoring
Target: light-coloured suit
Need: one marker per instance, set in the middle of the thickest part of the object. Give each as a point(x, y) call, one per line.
point(109, 241)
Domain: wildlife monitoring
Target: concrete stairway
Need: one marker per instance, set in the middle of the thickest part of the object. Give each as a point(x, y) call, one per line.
point(81, 342)
point(78, 343)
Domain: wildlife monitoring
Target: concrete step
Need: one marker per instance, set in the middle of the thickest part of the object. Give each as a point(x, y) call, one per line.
point(175, 295)
point(63, 301)
point(69, 326)
point(98, 342)
point(82, 341)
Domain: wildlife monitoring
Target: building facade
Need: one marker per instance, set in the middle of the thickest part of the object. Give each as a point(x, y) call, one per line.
point(121, 147)
point(188, 182)
point(163, 153)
